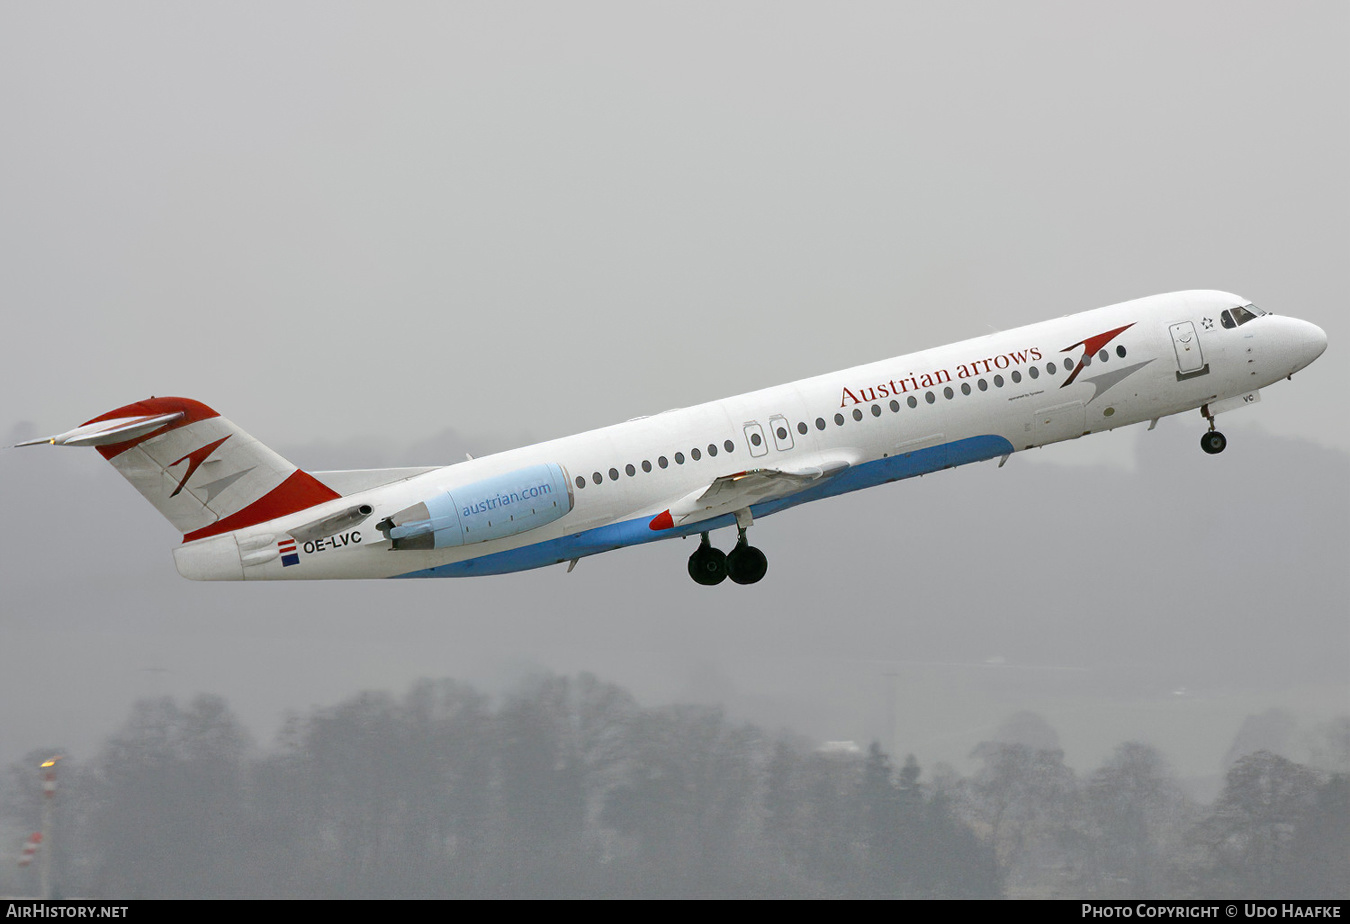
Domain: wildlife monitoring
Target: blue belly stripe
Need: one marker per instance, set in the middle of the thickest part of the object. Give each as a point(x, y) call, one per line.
point(636, 532)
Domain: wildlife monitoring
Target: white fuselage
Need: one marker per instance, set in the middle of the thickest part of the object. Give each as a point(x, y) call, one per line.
point(883, 421)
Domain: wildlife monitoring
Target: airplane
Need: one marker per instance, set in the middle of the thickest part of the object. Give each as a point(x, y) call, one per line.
point(248, 514)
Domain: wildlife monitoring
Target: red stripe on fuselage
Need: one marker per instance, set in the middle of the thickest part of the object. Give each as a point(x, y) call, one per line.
point(298, 492)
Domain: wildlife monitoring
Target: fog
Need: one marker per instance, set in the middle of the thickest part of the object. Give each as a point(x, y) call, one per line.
point(392, 235)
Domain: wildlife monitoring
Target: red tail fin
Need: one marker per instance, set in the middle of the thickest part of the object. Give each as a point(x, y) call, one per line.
point(201, 471)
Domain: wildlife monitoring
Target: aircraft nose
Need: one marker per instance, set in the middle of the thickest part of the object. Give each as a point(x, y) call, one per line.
point(1310, 342)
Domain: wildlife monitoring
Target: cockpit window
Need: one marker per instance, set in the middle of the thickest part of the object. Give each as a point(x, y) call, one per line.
point(1235, 317)
point(1256, 311)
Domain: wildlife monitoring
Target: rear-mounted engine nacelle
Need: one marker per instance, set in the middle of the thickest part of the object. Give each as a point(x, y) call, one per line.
point(490, 509)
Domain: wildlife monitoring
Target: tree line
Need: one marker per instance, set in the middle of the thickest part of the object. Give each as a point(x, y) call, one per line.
point(569, 788)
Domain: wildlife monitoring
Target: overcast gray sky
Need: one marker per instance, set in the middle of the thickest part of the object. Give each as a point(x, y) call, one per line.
point(389, 233)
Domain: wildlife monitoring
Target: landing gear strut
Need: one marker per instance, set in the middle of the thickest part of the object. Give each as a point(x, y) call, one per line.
point(1212, 442)
point(745, 565)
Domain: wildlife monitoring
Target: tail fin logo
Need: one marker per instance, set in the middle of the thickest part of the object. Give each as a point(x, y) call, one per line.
point(194, 460)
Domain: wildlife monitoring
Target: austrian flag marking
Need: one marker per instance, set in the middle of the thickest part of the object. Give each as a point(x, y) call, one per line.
point(289, 556)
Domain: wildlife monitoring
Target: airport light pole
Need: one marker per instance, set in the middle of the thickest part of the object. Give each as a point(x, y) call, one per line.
point(48, 797)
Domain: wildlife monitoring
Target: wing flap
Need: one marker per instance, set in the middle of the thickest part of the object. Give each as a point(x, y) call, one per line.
point(740, 491)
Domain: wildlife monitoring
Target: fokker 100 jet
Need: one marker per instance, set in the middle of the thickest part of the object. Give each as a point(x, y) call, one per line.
point(248, 514)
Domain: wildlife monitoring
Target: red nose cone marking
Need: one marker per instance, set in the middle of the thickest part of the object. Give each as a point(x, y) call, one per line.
point(662, 520)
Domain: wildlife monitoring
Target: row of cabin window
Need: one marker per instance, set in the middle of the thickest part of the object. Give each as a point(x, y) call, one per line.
point(947, 392)
point(631, 470)
point(1016, 376)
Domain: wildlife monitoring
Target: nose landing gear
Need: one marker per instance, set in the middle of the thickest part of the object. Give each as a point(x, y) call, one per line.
point(1212, 442)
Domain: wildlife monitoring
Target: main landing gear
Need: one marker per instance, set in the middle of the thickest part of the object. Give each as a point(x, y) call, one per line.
point(744, 565)
point(708, 565)
point(1212, 442)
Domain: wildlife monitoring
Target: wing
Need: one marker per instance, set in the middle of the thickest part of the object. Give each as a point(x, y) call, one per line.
point(740, 491)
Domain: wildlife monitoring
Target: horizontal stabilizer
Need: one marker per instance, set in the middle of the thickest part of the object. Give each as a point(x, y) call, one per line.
point(107, 432)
